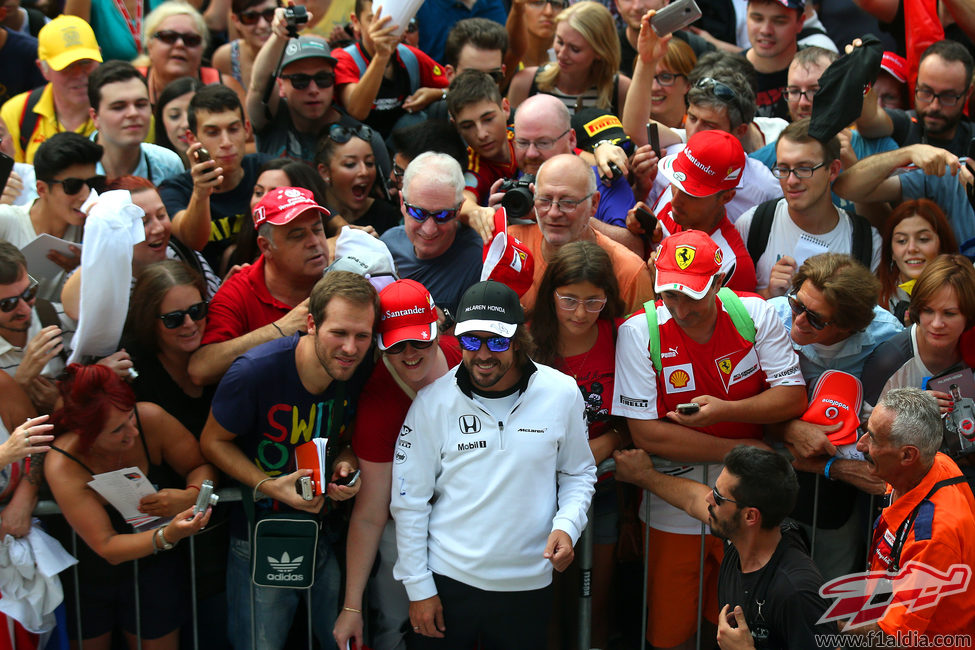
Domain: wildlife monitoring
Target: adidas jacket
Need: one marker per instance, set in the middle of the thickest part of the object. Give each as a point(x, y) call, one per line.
point(474, 499)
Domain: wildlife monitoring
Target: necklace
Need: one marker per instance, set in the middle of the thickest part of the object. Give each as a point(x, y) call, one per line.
point(576, 369)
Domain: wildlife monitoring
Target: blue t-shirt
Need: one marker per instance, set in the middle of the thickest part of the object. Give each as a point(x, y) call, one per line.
point(111, 31)
point(951, 197)
point(436, 17)
point(615, 200)
point(262, 401)
point(20, 73)
point(446, 277)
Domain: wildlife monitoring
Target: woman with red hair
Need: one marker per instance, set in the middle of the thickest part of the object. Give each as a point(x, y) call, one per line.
point(101, 428)
point(914, 234)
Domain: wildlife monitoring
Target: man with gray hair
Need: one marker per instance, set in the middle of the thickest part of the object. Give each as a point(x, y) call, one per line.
point(432, 246)
point(928, 526)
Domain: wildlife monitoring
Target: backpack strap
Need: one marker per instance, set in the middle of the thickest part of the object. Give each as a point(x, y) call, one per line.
point(861, 244)
point(357, 58)
point(739, 315)
point(412, 65)
point(761, 228)
point(29, 119)
point(923, 515)
point(729, 299)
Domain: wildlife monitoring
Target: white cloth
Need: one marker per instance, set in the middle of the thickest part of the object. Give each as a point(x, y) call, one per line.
point(113, 227)
point(785, 235)
point(29, 568)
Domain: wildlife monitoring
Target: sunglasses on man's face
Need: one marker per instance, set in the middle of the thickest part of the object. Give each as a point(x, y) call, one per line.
point(301, 80)
point(9, 304)
point(74, 185)
point(170, 36)
point(417, 345)
point(473, 343)
point(815, 320)
point(422, 214)
point(251, 17)
point(173, 319)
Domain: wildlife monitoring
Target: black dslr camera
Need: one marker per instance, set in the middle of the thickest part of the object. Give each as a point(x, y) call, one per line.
point(295, 16)
point(518, 199)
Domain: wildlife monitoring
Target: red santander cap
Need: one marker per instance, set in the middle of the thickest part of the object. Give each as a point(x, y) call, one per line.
point(710, 162)
point(407, 313)
point(687, 262)
point(894, 65)
point(282, 205)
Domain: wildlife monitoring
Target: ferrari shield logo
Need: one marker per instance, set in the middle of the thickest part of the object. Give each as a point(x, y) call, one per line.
point(684, 255)
point(725, 366)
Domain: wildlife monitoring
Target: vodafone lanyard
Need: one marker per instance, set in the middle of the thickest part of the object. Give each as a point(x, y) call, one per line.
point(135, 26)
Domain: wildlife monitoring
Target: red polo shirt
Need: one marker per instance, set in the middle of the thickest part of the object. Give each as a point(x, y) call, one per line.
point(241, 305)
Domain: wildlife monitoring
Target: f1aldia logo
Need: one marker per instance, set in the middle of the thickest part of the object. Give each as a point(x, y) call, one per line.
point(284, 568)
point(864, 598)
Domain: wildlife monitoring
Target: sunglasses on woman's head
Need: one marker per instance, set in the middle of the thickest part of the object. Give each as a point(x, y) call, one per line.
point(251, 17)
point(473, 343)
point(417, 345)
point(422, 214)
point(340, 134)
point(170, 36)
point(300, 80)
point(173, 319)
point(74, 185)
point(9, 304)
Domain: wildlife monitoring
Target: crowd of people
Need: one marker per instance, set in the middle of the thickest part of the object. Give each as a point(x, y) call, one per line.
point(407, 286)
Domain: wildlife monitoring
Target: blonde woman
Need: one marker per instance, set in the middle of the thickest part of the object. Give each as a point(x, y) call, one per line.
point(174, 37)
point(587, 53)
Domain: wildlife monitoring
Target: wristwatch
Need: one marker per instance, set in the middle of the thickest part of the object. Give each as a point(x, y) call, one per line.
point(161, 540)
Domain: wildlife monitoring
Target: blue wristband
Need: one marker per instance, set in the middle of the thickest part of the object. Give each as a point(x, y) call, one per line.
point(829, 464)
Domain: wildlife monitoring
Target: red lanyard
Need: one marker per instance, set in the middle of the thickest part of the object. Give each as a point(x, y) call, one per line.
point(135, 26)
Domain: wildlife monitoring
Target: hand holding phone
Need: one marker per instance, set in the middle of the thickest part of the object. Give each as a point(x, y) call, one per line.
point(674, 16)
point(653, 137)
point(688, 408)
point(349, 480)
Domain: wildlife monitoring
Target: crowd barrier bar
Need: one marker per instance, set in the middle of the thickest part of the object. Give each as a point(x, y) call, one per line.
point(585, 566)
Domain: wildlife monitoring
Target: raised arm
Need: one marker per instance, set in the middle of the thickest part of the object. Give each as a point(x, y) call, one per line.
point(263, 73)
point(358, 97)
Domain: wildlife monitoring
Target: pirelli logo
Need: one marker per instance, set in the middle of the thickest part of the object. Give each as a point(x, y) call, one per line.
point(633, 401)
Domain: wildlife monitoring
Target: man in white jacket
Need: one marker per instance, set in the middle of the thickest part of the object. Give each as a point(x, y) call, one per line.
point(478, 463)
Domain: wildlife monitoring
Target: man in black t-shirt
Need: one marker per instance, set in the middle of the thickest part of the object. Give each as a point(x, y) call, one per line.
point(773, 27)
point(768, 584)
point(942, 92)
point(208, 202)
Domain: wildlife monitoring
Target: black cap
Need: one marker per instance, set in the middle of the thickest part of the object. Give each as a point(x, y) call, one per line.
point(594, 125)
point(489, 306)
point(839, 100)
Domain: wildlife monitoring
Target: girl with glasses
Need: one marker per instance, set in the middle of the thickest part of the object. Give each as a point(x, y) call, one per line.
point(574, 327)
point(174, 38)
point(348, 165)
point(587, 53)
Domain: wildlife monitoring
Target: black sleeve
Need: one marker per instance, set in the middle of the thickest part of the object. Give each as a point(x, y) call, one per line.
point(798, 613)
point(884, 362)
point(902, 125)
point(175, 192)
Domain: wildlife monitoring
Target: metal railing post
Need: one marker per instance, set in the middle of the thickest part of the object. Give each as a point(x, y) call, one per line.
point(700, 572)
point(815, 519)
point(193, 599)
point(585, 583)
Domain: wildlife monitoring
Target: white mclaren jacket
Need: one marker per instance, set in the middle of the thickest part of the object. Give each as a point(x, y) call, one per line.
point(475, 499)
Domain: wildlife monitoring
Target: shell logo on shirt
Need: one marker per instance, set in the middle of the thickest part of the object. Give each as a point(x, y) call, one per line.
point(679, 378)
point(684, 255)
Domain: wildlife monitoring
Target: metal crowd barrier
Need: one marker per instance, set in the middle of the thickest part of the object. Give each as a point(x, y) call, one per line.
point(585, 559)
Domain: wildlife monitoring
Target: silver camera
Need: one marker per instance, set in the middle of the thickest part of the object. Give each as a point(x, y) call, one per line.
point(206, 497)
